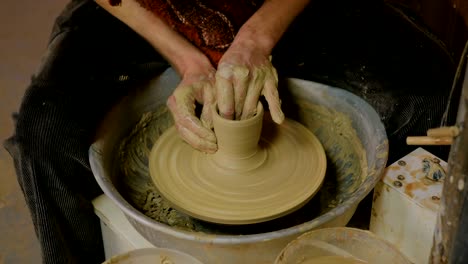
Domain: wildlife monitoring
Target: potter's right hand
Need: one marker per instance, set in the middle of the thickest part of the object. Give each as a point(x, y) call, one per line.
point(244, 74)
point(197, 85)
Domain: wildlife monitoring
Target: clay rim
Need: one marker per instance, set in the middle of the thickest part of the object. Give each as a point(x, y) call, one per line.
point(235, 123)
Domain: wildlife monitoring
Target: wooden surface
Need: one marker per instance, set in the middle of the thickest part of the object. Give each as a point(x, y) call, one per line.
point(461, 8)
point(426, 141)
point(450, 239)
point(447, 19)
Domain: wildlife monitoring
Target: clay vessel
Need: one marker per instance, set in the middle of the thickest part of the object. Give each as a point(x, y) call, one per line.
point(238, 147)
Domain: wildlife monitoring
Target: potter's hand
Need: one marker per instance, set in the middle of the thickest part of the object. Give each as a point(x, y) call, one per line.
point(244, 73)
point(197, 85)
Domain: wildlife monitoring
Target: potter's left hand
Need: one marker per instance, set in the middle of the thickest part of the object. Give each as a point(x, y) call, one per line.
point(196, 86)
point(244, 74)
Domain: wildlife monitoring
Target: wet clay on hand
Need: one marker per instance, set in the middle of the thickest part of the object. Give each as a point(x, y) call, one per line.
point(261, 170)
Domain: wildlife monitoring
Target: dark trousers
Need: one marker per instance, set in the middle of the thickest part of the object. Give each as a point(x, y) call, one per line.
point(92, 60)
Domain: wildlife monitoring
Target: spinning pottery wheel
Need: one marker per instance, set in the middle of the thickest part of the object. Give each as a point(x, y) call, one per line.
point(261, 170)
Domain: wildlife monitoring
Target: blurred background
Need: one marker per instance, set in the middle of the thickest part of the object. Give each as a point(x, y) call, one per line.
point(24, 31)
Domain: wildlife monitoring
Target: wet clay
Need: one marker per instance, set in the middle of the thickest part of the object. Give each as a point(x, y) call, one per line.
point(343, 148)
point(136, 184)
point(252, 178)
point(332, 260)
point(346, 169)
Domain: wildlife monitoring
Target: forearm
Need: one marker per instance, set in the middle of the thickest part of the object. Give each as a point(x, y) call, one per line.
point(180, 53)
point(269, 23)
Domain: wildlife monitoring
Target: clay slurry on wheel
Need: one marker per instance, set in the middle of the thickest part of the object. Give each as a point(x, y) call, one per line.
point(261, 170)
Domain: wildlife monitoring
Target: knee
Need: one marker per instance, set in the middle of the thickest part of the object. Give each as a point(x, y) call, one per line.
point(45, 124)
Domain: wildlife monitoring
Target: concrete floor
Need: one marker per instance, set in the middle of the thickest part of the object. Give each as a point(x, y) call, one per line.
point(24, 30)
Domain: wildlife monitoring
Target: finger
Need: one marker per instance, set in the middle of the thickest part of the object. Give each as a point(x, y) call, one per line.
point(184, 116)
point(241, 82)
point(270, 91)
point(225, 91)
point(253, 94)
point(208, 106)
point(195, 141)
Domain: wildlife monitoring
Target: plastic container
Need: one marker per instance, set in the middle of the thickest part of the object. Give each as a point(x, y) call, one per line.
point(153, 256)
point(340, 242)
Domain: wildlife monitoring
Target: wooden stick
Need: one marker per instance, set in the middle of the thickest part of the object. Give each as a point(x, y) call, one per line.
point(451, 131)
point(429, 141)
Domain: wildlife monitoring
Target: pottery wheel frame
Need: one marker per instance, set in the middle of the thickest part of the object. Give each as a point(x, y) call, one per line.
point(206, 197)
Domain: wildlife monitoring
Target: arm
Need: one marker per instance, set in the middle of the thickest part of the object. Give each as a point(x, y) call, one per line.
point(268, 24)
point(245, 72)
point(180, 53)
point(193, 66)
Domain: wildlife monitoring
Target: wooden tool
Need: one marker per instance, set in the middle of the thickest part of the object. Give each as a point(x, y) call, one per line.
point(435, 136)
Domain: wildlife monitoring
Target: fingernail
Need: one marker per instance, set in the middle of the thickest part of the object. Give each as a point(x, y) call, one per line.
point(227, 116)
point(278, 117)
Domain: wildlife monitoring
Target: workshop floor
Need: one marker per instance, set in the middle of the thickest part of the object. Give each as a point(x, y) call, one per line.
point(24, 30)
